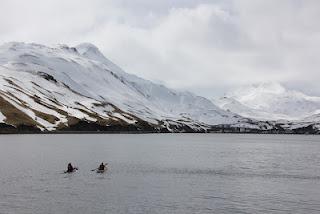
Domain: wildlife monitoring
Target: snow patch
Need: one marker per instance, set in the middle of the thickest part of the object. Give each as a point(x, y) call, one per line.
point(2, 117)
point(126, 119)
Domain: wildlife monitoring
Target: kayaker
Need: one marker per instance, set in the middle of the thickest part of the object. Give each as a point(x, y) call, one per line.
point(70, 168)
point(102, 167)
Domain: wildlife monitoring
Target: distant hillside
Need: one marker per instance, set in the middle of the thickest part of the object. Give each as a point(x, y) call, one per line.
point(62, 89)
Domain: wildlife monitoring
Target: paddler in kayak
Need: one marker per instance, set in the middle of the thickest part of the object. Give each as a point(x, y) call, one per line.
point(71, 168)
point(102, 167)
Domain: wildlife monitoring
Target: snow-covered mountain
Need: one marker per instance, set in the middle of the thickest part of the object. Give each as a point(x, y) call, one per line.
point(270, 101)
point(77, 88)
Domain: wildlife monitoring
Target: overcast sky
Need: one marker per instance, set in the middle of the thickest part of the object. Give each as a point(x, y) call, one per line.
point(204, 46)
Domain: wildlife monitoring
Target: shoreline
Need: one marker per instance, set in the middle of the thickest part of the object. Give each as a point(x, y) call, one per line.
point(150, 133)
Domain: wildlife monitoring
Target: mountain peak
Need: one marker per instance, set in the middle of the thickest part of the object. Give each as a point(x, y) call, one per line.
point(90, 51)
point(254, 90)
point(270, 87)
point(87, 47)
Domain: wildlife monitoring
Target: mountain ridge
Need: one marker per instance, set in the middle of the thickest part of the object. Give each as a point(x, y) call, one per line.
point(64, 89)
point(270, 101)
point(54, 88)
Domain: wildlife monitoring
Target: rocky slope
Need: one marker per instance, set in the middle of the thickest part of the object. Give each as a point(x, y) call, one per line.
point(61, 89)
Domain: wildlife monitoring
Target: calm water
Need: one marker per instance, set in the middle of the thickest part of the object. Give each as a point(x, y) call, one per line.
point(178, 173)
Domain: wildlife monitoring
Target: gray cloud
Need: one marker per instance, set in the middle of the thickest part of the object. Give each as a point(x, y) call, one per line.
point(203, 46)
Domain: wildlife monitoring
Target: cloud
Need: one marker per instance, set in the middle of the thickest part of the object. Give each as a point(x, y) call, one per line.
point(203, 46)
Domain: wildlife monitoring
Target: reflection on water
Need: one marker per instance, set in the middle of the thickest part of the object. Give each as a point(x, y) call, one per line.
point(165, 173)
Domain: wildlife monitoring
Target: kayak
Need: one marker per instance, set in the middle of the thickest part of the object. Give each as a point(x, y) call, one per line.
point(101, 171)
point(74, 170)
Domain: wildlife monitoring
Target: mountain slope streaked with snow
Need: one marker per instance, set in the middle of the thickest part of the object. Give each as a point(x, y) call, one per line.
point(77, 88)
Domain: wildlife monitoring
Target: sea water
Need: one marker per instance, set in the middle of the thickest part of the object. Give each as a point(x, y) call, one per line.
point(160, 173)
